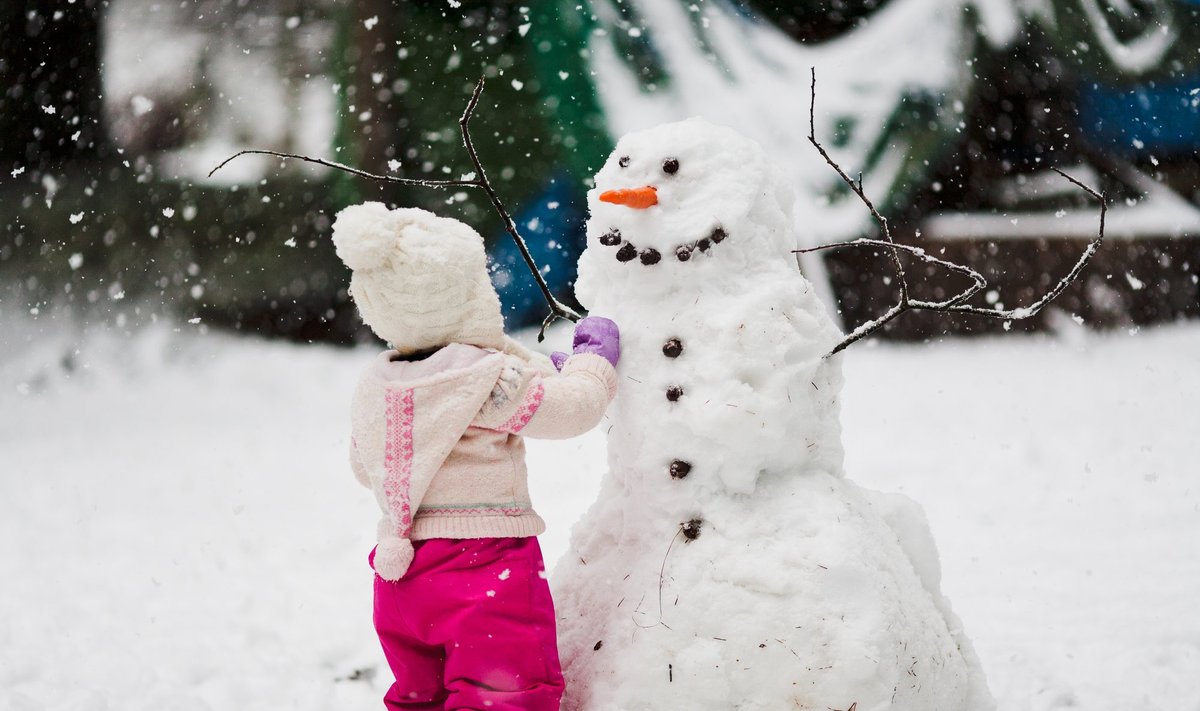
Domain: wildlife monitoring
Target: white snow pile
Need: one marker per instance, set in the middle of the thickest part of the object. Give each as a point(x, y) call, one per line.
point(181, 532)
point(727, 564)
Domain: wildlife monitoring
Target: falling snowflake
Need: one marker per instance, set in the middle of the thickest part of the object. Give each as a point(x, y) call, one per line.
point(141, 105)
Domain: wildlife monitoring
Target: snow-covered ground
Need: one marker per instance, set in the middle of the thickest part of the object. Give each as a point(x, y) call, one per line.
point(179, 528)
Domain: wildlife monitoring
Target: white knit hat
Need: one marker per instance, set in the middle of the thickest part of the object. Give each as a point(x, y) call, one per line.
point(420, 281)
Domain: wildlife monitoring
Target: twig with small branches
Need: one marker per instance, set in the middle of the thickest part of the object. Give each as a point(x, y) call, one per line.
point(954, 304)
point(662, 576)
point(557, 308)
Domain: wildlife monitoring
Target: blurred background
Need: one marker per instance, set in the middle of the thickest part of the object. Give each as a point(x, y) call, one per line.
point(112, 114)
point(179, 528)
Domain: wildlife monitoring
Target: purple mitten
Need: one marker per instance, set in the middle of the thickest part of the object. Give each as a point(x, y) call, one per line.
point(598, 335)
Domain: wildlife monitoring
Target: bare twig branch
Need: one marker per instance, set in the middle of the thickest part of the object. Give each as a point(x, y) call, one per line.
point(662, 574)
point(422, 182)
point(856, 188)
point(905, 304)
point(557, 308)
point(954, 304)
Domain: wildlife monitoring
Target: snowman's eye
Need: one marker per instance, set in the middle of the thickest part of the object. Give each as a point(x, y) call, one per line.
point(670, 166)
point(623, 162)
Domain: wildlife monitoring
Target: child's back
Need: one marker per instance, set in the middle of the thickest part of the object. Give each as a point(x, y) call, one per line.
point(439, 439)
point(462, 607)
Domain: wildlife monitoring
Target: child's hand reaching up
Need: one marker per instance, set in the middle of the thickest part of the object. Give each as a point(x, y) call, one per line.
point(594, 334)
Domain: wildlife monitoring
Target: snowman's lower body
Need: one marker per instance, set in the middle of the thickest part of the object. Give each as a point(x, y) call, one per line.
point(799, 596)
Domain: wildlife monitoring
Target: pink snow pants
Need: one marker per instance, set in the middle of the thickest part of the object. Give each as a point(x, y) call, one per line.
point(470, 626)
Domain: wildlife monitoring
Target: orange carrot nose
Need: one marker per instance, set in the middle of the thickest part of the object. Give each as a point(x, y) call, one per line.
point(637, 198)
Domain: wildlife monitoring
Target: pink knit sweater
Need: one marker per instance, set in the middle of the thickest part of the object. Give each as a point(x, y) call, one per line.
point(439, 441)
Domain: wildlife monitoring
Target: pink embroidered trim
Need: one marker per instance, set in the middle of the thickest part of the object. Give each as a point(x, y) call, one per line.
point(530, 405)
point(398, 457)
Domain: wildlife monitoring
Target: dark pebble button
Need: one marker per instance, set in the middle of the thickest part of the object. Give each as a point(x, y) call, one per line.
point(679, 469)
point(672, 348)
point(691, 529)
point(703, 245)
point(627, 253)
point(650, 256)
point(611, 238)
point(674, 393)
point(683, 254)
point(718, 235)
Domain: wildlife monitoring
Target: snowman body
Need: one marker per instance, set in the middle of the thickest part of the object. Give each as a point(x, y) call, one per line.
point(727, 564)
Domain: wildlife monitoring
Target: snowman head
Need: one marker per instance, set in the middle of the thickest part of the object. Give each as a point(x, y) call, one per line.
point(685, 201)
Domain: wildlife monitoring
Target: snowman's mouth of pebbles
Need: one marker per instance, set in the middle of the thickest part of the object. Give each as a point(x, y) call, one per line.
point(627, 251)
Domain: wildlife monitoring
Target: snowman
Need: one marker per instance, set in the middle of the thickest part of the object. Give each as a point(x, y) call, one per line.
point(727, 563)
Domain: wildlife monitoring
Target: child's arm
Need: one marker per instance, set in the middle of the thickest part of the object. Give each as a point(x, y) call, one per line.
point(574, 401)
point(532, 403)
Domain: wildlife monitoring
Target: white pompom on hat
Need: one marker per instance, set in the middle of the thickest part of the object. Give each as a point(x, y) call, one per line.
point(420, 281)
point(363, 235)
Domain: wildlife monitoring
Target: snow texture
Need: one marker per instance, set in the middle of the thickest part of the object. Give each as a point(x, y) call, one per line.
point(179, 529)
point(762, 579)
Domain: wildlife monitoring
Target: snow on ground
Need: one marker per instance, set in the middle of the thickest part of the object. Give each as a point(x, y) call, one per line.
point(179, 529)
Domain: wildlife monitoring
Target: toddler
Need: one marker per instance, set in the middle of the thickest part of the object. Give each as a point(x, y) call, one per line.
point(462, 607)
